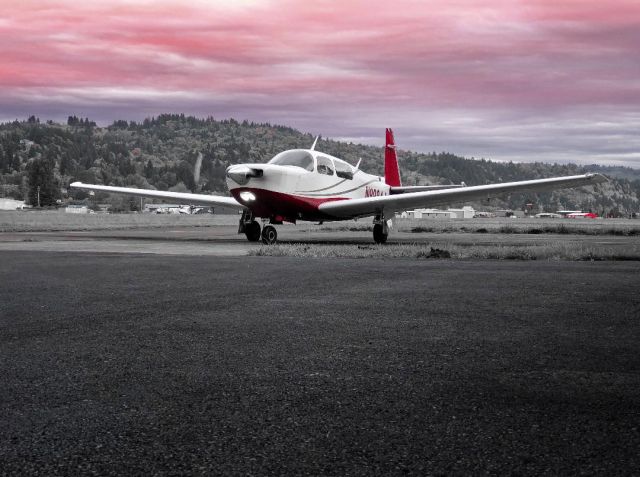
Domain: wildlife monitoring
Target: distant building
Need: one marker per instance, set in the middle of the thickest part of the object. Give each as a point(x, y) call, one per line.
point(77, 209)
point(464, 213)
point(11, 204)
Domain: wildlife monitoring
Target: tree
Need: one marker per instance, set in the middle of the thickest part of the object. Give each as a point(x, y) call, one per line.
point(42, 182)
point(64, 164)
point(184, 174)
point(121, 203)
point(148, 169)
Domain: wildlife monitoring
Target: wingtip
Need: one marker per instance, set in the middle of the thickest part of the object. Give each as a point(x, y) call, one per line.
point(75, 184)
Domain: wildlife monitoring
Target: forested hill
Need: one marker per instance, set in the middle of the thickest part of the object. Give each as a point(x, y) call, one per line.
point(162, 153)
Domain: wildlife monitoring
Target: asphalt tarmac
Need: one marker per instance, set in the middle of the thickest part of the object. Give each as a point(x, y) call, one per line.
point(124, 364)
point(223, 240)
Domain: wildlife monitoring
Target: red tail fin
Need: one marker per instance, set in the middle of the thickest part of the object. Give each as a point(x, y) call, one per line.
point(391, 169)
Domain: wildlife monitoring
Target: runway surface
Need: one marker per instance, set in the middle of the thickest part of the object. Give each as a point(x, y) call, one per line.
point(135, 363)
point(223, 240)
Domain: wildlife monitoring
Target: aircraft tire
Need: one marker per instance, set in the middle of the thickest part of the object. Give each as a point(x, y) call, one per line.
point(378, 236)
point(252, 231)
point(269, 235)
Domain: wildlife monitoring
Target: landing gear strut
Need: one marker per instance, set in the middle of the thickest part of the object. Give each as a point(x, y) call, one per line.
point(249, 226)
point(380, 229)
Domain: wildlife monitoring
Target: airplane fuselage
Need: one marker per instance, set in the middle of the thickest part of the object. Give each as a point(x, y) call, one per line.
point(294, 190)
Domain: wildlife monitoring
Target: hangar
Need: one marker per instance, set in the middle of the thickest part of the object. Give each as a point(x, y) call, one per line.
point(11, 204)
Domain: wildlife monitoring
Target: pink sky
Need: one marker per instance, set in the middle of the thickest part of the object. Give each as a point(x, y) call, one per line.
point(522, 80)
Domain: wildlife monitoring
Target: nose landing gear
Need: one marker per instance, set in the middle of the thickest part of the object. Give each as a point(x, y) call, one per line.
point(249, 226)
point(252, 231)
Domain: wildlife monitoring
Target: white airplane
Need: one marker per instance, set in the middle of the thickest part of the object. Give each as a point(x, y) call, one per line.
point(305, 184)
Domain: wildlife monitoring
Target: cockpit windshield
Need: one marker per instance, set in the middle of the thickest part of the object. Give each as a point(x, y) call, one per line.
point(295, 157)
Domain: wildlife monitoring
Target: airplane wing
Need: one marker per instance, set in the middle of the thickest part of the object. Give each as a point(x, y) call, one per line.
point(396, 203)
point(179, 197)
point(407, 189)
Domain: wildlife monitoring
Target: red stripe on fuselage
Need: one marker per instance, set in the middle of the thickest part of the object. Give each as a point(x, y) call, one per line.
point(291, 207)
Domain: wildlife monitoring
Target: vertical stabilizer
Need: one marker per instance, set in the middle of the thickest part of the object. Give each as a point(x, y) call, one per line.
point(391, 169)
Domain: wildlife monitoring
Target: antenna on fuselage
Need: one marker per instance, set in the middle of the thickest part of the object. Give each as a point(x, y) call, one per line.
point(358, 164)
point(313, 147)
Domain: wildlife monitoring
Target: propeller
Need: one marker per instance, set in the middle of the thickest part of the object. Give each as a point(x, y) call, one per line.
point(196, 169)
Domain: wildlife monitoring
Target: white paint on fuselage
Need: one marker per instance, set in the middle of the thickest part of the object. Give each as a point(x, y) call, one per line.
point(298, 182)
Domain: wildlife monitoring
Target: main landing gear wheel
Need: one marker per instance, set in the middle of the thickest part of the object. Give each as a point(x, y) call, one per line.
point(252, 231)
point(378, 235)
point(269, 235)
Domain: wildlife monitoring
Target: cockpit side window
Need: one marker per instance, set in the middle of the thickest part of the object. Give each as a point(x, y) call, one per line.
point(343, 170)
point(325, 166)
point(295, 157)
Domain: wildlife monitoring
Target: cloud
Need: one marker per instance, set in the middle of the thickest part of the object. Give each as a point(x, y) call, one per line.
point(496, 79)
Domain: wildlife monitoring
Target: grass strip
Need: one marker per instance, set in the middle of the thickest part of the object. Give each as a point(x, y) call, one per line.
point(545, 251)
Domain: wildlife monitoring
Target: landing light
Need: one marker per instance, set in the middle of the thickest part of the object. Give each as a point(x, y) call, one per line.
point(247, 196)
